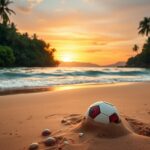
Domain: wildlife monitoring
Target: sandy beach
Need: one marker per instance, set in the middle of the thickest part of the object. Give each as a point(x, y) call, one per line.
point(24, 116)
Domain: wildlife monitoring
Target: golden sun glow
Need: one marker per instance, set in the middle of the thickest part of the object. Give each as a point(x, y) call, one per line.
point(68, 52)
point(67, 59)
point(71, 51)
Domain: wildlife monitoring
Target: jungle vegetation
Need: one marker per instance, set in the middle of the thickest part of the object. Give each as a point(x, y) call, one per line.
point(142, 59)
point(19, 49)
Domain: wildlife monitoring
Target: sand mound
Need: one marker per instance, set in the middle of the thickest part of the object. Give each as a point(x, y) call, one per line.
point(102, 130)
point(127, 126)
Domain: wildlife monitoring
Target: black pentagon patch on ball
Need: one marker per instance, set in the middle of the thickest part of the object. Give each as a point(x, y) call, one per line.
point(94, 111)
point(114, 118)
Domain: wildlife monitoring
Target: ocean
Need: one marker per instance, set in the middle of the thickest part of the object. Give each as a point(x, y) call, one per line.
point(14, 78)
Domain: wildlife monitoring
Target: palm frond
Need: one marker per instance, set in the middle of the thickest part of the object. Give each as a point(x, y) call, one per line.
point(144, 26)
point(10, 11)
point(2, 2)
point(8, 2)
point(142, 32)
point(5, 11)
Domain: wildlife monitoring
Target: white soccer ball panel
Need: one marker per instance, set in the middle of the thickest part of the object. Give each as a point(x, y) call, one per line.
point(102, 119)
point(107, 109)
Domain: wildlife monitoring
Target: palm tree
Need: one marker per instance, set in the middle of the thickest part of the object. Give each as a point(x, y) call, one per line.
point(13, 27)
point(26, 35)
point(34, 36)
point(5, 11)
point(135, 48)
point(144, 26)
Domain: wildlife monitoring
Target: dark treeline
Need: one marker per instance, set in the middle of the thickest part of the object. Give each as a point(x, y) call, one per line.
point(18, 49)
point(142, 59)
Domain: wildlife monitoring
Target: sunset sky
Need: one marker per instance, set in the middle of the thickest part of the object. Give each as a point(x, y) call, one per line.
point(97, 31)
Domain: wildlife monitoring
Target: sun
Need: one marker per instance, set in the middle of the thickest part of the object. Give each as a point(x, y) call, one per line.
point(67, 57)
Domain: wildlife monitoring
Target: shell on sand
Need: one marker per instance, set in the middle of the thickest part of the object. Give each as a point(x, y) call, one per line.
point(81, 134)
point(34, 146)
point(46, 132)
point(66, 142)
point(50, 141)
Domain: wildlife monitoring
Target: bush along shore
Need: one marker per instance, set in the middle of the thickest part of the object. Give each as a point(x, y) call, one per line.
point(20, 50)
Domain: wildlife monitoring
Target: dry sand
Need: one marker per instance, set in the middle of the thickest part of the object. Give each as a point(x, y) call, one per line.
point(24, 116)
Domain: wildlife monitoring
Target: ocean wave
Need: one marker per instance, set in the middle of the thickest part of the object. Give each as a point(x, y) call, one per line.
point(89, 73)
point(35, 77)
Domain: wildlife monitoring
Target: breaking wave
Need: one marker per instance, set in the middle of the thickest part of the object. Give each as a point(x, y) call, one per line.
point(36, 77)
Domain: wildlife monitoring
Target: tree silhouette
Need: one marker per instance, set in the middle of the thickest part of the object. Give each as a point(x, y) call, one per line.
point(23, 50)
point(5, 11)
point(142, 59)
point(35, 36)
point(135, 48)
point(144, 26)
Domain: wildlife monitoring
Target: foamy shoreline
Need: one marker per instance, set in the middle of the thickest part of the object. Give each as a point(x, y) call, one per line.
point(24, 78)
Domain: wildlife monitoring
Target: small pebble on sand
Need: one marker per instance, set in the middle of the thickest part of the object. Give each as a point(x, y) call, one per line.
point(66, 142)
point(34, 146)
point(46, 132)
point(81, 134)
point(50, 141)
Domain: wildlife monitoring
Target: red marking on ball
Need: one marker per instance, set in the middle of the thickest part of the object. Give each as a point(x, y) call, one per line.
point(114, 118)
point(94, 111)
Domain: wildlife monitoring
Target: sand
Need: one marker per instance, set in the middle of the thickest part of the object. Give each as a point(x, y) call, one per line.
point(24, 116)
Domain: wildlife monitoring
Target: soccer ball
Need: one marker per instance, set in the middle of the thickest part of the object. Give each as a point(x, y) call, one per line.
point(103, 112)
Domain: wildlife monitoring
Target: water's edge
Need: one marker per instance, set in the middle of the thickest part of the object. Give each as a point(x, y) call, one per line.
point(15, 91)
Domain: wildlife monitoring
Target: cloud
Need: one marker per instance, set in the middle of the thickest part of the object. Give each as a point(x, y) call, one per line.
point(26, 5)
point(92, 50)
point(117, 3)
point(110, 6)
point(63, 1)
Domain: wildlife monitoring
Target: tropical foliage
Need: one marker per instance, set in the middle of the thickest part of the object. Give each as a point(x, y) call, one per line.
point(7, 57)
point(28, 51)
point(18, 49)
point(142, 59)
point(144, 26)
point(135, 48)
point(5, 11)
